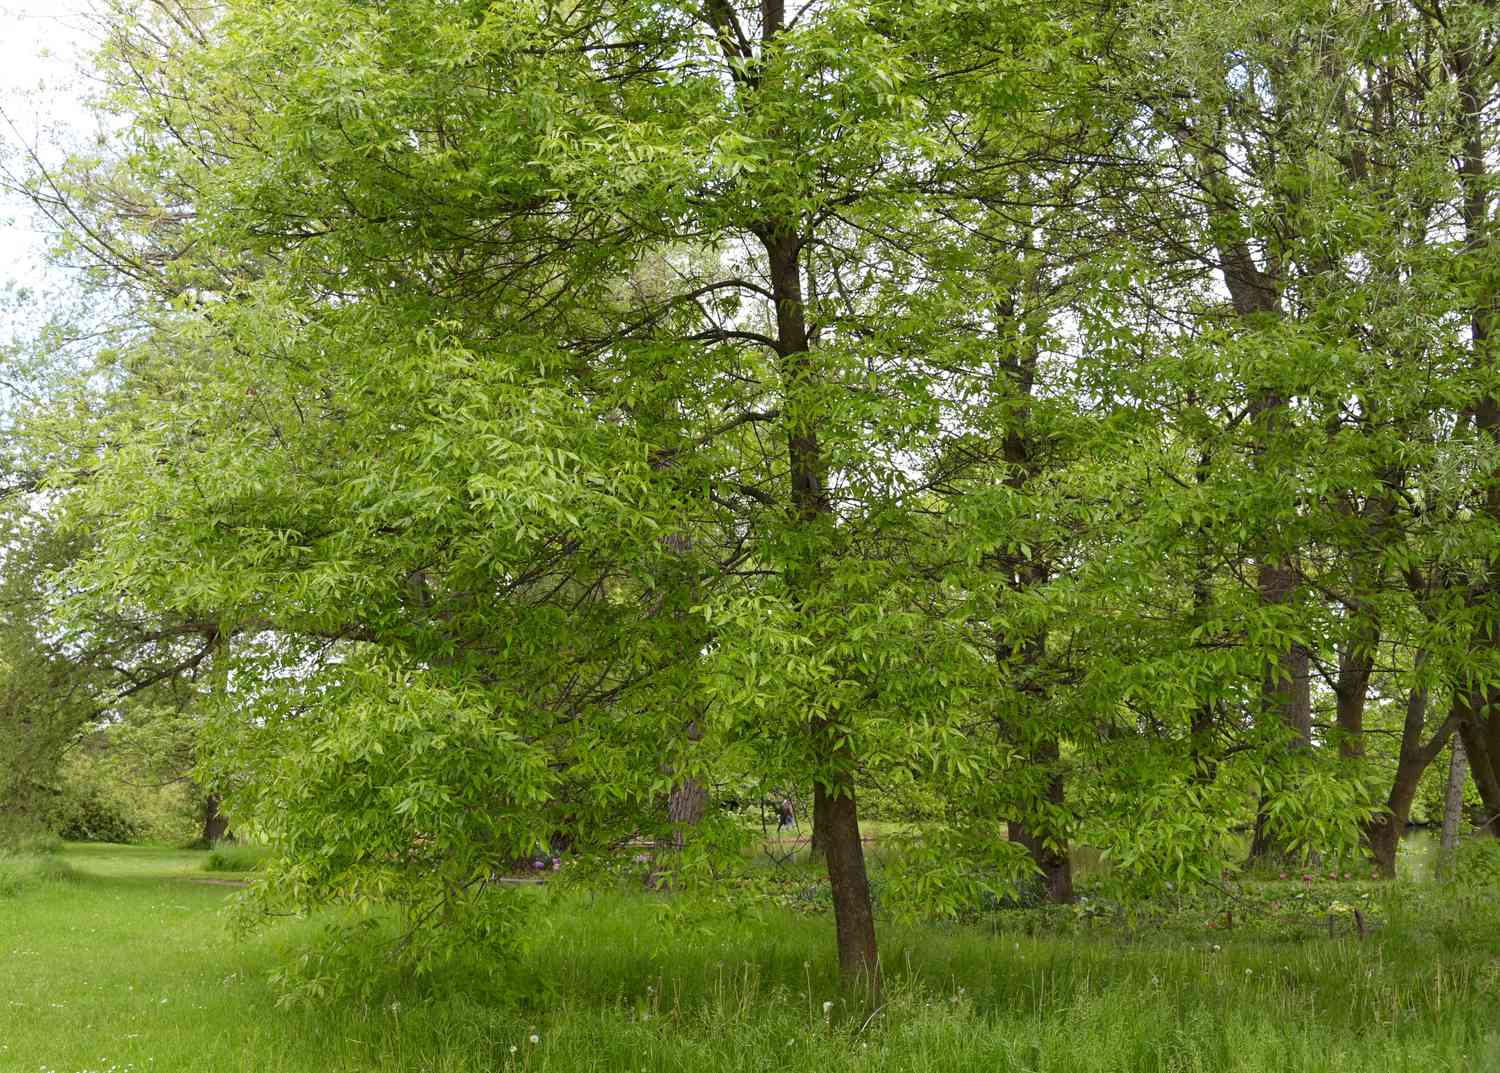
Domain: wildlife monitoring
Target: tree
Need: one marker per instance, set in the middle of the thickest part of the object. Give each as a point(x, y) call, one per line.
point(443, 333)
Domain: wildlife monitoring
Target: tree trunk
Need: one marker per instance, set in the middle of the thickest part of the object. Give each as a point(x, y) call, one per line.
point(1453, 806)
point(835, 814)
point(859, 960)
point(1384, 832)
point(1285, 687)
point(1056, 868)
point(1483, 766)
point(817, 844)
point(215, 823)
point(1025, 573)
point(685, 808)
point(1352, 686)
point(1480, 725)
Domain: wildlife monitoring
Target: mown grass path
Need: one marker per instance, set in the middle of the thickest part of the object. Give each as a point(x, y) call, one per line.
point(129, 966)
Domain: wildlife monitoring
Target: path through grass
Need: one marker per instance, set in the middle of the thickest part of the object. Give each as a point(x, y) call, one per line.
point(124, 962)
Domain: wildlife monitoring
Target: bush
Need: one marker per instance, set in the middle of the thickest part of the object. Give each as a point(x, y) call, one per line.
point(103, 799)
point(87, 814)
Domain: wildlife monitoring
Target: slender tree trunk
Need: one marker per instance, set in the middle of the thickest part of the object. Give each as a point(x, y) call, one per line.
point(1052, 861)
point(836, 818)
point(1026, 573)
point(1285, 687)
point(1453, 806)
point(1205, 718)
point(835, 813)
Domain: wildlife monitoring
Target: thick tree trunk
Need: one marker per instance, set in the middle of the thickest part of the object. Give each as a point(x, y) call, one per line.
point(215, 823)
point(685, 809)
point(1352, 686)
point(1056, 868)
point(686, 806)
point(818, 843)
point(1384, 832)
point(1483, 756)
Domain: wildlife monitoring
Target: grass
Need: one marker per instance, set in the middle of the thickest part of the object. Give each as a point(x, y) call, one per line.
point(233, 857)
point(124, 961)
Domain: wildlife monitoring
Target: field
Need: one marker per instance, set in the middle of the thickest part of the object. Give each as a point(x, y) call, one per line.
point(120, 960)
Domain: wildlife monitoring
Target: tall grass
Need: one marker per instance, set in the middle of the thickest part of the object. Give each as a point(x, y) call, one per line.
point(233, 857)
point(30, 863)
point(131, 965)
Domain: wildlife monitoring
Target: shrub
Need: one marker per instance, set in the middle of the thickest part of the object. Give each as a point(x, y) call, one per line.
point(87, 814)
point(103, 799)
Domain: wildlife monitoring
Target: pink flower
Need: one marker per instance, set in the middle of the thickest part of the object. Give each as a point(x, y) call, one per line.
point(1307, 879)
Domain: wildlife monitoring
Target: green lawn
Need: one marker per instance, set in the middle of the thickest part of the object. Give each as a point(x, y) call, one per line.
point(126, 964)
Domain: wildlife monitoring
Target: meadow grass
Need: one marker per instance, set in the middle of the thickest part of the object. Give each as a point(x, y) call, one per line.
point(124, 961)
point(233, 857)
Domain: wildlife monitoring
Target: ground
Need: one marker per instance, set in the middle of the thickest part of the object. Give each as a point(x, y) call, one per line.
point(124, 962)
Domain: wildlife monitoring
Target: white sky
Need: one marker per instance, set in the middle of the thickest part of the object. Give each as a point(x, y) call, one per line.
point(43, 43)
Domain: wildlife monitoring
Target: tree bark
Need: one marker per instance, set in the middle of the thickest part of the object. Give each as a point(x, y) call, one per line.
point(1482, 765)
point(215, 823)
point(1285, 687)
point(1025, 573)
point(1054, 864)
point(1384, 831)
point(817, 844)
point(1352, 686)
point(1453, 806)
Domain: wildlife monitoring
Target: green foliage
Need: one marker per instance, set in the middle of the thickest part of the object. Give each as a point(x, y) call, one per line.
point(1477, 864)
point(530, 414)
point(103, 795)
